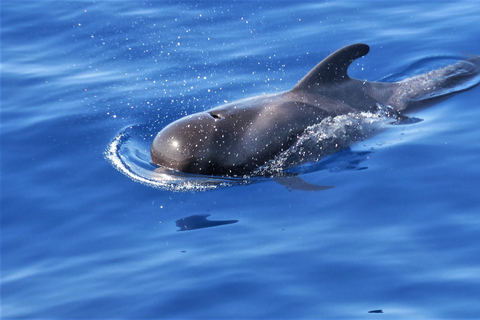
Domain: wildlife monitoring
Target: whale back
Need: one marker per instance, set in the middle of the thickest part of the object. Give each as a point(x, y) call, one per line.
point(330, 78)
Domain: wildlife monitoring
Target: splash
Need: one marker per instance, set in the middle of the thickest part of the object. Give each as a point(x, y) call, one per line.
point(330, 136)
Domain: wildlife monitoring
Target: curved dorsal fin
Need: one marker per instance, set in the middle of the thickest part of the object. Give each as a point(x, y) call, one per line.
point(333, 69)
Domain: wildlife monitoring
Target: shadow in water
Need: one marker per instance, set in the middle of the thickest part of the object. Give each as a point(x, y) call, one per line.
point(376, 311)
point(199, 221)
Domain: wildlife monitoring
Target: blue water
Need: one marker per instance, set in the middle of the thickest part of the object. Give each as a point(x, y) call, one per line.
point(80, 239)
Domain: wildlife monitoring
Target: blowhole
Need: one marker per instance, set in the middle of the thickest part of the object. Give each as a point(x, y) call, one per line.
point(215, 116)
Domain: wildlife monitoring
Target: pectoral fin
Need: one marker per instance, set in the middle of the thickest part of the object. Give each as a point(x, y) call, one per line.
point(296, 183)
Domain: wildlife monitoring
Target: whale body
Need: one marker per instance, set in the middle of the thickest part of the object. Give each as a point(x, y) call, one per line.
point(237, 138)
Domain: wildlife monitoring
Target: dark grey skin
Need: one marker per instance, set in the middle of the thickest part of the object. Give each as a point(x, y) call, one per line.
point(239, 137)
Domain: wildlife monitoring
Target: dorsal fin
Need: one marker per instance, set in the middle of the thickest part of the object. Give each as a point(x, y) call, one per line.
point(333, 69)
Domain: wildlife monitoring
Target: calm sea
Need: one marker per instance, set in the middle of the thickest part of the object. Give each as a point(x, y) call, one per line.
point(83, 237)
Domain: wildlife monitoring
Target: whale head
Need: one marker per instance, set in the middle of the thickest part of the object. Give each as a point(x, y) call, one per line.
point(185, 145)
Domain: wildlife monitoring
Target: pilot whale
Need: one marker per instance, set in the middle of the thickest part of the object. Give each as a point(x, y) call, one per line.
point(237, 138)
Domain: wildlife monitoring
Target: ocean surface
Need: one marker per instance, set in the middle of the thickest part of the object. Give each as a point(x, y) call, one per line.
point(88, 232)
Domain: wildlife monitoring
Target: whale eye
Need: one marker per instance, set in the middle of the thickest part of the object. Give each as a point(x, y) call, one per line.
point(215, 116)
